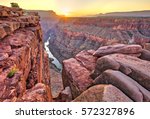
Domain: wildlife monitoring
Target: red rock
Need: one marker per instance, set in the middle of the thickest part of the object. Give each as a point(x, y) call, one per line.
point(5, 49)
point(23, 63)
point(9, 86)
point(56, 83)
point(127, 85)
point(9, 12)
point(102, 93)
point(119, 48)
point(86, 59)
point(2, 32)
point(145, 55)
point(76, 76)
point(39, 93)
point(103, 64)
point(3, 56)
point(147, 46)
point(66, 95)
point(136, 68)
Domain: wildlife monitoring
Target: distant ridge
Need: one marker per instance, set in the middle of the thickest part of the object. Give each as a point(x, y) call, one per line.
point(144, 13)
point(44, 13)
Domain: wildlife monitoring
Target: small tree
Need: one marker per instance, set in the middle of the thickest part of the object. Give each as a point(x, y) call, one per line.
point(14, 5)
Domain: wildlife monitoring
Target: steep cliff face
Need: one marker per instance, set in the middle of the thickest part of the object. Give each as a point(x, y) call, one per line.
point(72, 35)
point(67, 44)
point(48, 19)
point(24, 66)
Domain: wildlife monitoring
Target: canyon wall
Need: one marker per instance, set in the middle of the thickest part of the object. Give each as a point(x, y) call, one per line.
point(24, 66)
point(72, 35)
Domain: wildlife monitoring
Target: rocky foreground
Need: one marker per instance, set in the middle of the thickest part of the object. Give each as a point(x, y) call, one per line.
point(111, 73)
point(24, 66)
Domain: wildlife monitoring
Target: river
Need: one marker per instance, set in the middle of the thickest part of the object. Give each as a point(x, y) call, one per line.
point(50, 55)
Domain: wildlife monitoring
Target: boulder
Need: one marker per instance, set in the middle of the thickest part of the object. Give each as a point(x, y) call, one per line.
point(134, 67)
point(75, 76)
point(145, 55)
point(103, 64)
point(126, 84)
point(86, 59)
point(66, 95)
point(118, 48)
point(102, 93)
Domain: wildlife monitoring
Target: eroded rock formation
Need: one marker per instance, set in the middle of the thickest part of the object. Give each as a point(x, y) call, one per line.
point(72, 35)
point(115, 65)
point(24, 66)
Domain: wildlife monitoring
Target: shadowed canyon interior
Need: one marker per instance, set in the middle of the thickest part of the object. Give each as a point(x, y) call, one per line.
point(51, 58)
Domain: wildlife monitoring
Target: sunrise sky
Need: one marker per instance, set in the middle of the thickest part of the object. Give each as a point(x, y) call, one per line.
point(81, 7)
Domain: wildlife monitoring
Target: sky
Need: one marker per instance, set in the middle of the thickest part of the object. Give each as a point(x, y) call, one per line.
point(81, 7)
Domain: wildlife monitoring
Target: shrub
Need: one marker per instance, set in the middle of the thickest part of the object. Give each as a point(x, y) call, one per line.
point(12, 72)
point(14, 5)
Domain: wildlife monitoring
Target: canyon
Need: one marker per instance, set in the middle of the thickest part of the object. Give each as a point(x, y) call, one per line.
point(46, 57)
point(72, 35)
point(75, 41)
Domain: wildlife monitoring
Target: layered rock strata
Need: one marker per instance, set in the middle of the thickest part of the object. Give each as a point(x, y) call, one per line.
point(24, 67)
point(72, 35)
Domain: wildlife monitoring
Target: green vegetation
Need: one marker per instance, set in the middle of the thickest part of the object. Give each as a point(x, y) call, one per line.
point(14, 5)
point(12, 72)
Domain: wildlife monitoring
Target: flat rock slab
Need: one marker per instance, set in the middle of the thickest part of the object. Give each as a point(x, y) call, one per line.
point(127, 85)
point(102, 93)
point(10, 11)
point(8, 27)
point(119, 48)
point(134, 67)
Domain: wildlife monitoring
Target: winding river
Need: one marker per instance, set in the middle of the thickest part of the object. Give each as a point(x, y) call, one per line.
point(50, 55)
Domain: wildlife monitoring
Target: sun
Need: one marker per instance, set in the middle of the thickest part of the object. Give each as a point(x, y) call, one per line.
point(65, 11)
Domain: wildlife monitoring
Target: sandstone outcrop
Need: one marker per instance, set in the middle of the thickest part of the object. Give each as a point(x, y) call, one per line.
point(76, 76)
point(134, 67)
point(119, 48)
point(114, 66)
point(10, 12)
point(39, 93)
point(127, 85)
point(102, 93)
point(23, 63)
